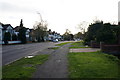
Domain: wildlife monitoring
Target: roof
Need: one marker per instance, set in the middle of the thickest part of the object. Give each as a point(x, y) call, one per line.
point(17, 28)
point(5, 26)
point(31, 30)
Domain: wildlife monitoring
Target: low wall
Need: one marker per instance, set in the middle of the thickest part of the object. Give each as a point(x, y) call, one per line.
point(11, 42)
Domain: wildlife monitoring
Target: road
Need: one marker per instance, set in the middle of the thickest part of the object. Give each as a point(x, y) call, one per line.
point(11, 53)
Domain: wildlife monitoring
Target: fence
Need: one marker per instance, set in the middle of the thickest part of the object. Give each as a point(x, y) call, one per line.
point(94, 44)
point(113, 49)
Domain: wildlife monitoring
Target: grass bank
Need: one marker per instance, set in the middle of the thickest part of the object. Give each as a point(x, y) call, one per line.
point(23, 68)
point(93, 65)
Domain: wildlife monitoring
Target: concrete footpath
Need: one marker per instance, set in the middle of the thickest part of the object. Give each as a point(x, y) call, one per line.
point(84, 50)
point(55, 66)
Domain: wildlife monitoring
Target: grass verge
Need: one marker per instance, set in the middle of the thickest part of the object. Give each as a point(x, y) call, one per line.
point(61, 44)
point(53, 48)
point(93, 65)
point(78, 44)
point(23, 68)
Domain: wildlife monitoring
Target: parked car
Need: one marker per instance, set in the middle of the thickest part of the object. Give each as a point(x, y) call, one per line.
point(55, 40)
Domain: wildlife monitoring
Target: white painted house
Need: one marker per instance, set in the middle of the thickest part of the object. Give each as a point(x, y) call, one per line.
point(27, 34)
point(7, 28)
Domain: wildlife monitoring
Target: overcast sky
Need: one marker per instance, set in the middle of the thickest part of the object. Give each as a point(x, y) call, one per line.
point(60, 14)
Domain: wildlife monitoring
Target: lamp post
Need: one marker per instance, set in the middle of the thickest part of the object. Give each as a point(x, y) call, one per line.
point(41, 20)
point(40, 16)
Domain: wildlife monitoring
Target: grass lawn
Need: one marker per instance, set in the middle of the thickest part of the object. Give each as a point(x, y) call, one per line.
point(93, 65)
point(61, 44)
point(78, 44)
point(23, 68)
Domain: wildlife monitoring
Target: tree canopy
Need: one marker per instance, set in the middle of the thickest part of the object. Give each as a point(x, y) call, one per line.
point(68, 35)
point(104, 32)
point(79, 35)
point(22, 33)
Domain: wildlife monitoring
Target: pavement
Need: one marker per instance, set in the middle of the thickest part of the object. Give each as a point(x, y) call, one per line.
point(85, 50)
point(55, 66)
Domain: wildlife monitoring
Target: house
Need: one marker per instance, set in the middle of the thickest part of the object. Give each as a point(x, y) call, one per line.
point(53, 35)
point(27, 31)
point(27, 34)
point(7, 28)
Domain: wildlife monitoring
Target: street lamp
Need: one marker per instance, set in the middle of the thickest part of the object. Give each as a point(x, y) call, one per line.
point(43, 23)
point(40, 16)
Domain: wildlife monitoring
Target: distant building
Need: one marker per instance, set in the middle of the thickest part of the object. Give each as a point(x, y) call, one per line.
point(53, 35)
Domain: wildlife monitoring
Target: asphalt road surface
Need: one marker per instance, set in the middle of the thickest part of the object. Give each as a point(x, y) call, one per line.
point(11, 53)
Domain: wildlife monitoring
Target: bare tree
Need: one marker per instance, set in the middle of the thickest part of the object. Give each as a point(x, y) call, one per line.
point(40, 31)
point(82, 26)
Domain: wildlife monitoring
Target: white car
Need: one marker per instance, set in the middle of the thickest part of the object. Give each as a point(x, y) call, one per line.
point(55, 40)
